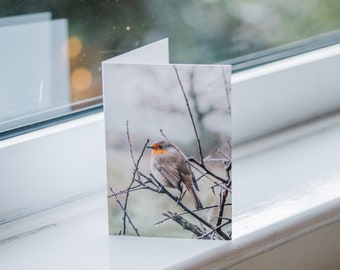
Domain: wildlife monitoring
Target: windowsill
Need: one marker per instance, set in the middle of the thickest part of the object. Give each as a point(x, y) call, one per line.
point(286, 187)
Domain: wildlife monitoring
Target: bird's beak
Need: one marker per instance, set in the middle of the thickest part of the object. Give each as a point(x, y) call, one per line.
point(149, 146)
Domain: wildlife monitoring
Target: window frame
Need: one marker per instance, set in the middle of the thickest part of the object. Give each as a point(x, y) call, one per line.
point(240, 64)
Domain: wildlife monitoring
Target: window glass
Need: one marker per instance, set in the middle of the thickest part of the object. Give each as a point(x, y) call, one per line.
point(51, 51)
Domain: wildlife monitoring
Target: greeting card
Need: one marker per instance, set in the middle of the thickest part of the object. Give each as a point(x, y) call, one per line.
point(168, 145)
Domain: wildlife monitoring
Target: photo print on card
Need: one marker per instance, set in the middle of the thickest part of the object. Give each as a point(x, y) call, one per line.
point(168, 145)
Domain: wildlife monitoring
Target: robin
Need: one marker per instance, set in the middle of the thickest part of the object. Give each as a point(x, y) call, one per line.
point(169, 166)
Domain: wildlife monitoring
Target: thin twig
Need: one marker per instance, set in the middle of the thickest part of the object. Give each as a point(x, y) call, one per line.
point(226, 90)
point(223, 197)
point(224, 154)
point(187, 225)
point(129, 142)
point(132, 189)
point(185, 213)
point(202, 165)
point(136, 164)
point(161, 131)
point(191, 116)
point(125, 213)
point(213, 231)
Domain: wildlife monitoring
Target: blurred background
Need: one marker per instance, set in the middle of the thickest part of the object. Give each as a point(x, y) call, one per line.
point(200, 31)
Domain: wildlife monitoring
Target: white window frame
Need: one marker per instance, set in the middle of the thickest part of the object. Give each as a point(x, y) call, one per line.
point(284, 93)
point(51, 166)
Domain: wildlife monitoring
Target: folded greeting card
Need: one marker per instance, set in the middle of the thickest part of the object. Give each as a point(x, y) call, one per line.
point(168, 144)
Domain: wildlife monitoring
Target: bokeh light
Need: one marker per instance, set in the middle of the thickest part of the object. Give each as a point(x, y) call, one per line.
point(81, 79)
point(75, 46)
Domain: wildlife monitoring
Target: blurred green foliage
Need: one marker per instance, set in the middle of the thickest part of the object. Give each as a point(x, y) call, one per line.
point(200, 31)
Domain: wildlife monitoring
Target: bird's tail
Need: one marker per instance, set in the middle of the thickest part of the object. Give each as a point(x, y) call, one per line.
point(195, 198)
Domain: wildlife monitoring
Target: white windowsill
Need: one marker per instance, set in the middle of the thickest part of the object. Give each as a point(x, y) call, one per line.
point(286, 187)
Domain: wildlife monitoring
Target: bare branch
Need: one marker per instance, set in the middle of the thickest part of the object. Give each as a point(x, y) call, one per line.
point(191, 116)
point(161, 130)
point(226, 90)
point(184, 207)
point(125, 213)
point(136, 164)
point(211, 232)
point(224, 154)
point(202, 165)
point(223, 197)
point(129, 141)
point(185, 213)
point(185, 224)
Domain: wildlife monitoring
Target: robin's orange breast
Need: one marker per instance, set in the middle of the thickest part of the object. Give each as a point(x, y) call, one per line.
point(158, 151)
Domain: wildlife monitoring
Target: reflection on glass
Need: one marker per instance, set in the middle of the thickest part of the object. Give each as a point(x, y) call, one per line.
point(200, 31)
point(34, 69)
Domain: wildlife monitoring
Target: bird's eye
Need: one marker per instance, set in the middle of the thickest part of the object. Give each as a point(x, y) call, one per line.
point(161, 147)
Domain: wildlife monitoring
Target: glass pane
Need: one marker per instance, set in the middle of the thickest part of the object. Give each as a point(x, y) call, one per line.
point(51, 51)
